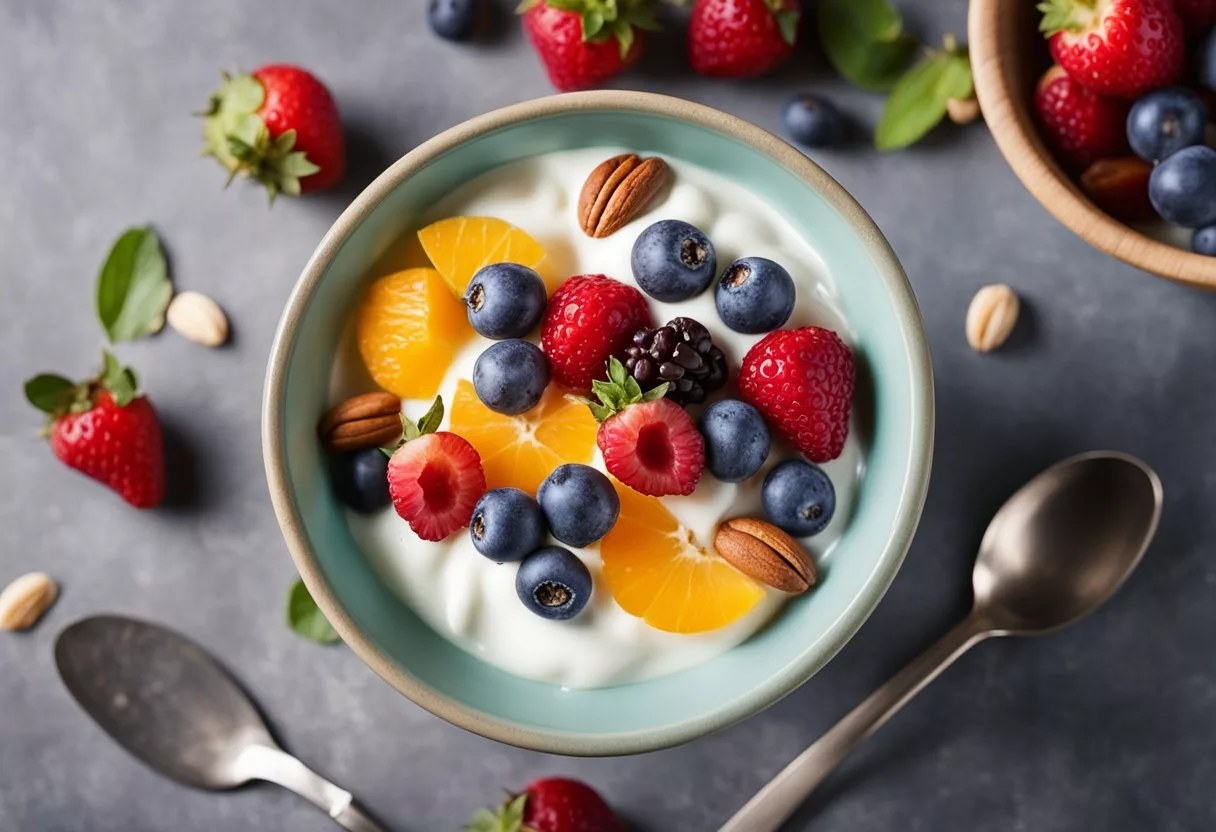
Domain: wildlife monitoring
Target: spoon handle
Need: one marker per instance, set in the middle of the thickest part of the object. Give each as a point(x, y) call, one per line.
point(774, 804)
point(277, 766)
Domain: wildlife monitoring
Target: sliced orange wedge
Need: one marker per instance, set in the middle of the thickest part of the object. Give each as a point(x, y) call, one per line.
point(459, 246)
point(409, 327)
point(657, 571)
point(520, 451)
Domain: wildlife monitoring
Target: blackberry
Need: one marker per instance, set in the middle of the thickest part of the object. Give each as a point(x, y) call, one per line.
point(683, 353)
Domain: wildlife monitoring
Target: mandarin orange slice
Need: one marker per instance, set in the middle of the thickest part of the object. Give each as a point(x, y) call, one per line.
point(520, 451)
point(459, 246)
point(409, 327)
point(657, 571)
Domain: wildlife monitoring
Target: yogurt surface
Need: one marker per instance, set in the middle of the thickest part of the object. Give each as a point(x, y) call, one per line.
point(470, 600)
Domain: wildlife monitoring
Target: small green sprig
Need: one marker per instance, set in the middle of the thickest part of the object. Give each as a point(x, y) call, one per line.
point(618, 392)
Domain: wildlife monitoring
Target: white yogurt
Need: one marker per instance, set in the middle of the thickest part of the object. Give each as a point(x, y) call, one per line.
point(470, 600)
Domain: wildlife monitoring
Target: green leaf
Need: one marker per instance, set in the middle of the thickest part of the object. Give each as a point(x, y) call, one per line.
point(616, 371)
point(633, 390)
point(525, 5)
point(918, 101)
point(409, 431)
point(599, 411)
point(243, 94)
point(297, 165)
point(285, 142)
point(119, 380)
point(593, 25)
point(609, 393)
point(624, 36)
point(430, 421)
point(133, 289)
point(865, 42)
point(656, 393)
point(50, 393)
point(787, 22)
point(306, 618)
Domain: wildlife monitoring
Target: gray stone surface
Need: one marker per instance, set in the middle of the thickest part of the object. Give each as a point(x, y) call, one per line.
point(1107, 726)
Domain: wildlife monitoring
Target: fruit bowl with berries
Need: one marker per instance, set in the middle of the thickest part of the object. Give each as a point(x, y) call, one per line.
point(1105, 110)
point(583, 444)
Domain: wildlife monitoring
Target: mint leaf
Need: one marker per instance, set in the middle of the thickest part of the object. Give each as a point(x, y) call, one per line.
point(306, 618)
point(864, 40)
point(50, 393)
point(133, 289)
point(918, 101)
point(430, 421)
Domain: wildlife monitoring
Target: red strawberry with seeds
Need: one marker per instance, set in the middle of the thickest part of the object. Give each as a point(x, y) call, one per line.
point(1080, 125)
point(590, 318)
point(742, 38)
point(552, 804)
point(435, 478)
point(106, 430)
point(583, 43)
point(278, 126)
point(1122, 48)
point(801, 381)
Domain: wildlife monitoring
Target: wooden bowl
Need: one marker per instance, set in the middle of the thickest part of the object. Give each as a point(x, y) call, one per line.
point(1007, 56)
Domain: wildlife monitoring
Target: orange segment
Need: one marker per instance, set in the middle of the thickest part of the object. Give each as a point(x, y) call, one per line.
point(409, 328)
point(520, 451)
point(656, 570)
point(459, 246)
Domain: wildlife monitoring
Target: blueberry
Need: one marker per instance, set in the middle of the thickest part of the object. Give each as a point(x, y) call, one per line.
point(579, 503)
point(813, 121)
point(1165, 121)
point(505, 300)
point(453, 19)
point(736, 439)
point(1204, 241)
point(755, 295)
point(360, 479)
point(553, 583)
point(799, 497)
point(506, 525)
point(1207, 61)
point(1183, 187)
point(673, 261)
point(511, 376)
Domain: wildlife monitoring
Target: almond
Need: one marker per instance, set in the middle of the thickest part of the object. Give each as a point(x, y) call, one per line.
point(198, 318)
point(25, 600)
point(366, 421)
point(991, 317)
point(764, 552)
point(617, 190)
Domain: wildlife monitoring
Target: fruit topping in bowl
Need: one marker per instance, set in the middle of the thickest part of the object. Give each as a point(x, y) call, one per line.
point(590, 318)
point(799, 497)
point(579, 504)
point(755, 295)
point(506, 525)
point(673, 261)
point(737, 441)
point(505, 300)
point(510, 376)
point(460, 246)
point(680, 354)
point(553, 583)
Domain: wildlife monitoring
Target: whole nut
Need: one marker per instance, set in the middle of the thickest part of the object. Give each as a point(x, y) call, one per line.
point(762, 551)
point(617, 191)
point(963, 110)
point(366, 421)
point(198, 318)
point(25, 600)
point(991, 317)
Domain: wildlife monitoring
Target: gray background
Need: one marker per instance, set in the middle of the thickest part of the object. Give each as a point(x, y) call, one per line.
point(1106, 726)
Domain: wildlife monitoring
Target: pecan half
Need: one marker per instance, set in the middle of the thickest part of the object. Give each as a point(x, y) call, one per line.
point(617, 191)
point(762, 551)
point(365, 421)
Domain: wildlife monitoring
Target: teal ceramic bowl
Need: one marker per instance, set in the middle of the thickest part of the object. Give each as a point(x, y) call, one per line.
point(453, 684)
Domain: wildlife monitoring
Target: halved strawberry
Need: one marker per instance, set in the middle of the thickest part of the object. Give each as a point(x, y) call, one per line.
point(434, 478)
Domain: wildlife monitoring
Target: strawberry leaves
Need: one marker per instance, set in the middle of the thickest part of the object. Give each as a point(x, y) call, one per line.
point(604, 19)
point(620, 391)
point(429, 423)
point(50, 393)
point(57, 396)
point(133, 289)
point(508, 818)
point(1066, 15)
point(306, 618)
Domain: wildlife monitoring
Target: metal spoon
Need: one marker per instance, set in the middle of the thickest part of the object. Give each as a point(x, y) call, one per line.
point(172, 706)
point(1054, 552)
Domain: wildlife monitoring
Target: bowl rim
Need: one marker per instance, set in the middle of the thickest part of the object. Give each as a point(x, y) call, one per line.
point(1013, 130)
point(913, 489)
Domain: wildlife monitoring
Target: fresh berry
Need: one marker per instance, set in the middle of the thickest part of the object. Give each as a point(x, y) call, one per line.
point(360, 479)
point(590, 318)
point(453, 19)
point(278, 126)
point(1120, 187)
point(1078, 124)
point(1183, 187)
point(1122, 48)
point(1165, 121)
point(105, 430)
point(553, 583)
point(736, 440)
point(505, 300)
point(755, 295)
point(553, 804)
point(579, 503)
point(798, 497)
point(801, 381)
point(683, 354)
point(813, 121)
point(511, 376)
point(506, 525)
point(583, 43)
point(434, 478)
point(673, 261)
point(1204, 241)
point(741, 38)
point(1197, 15)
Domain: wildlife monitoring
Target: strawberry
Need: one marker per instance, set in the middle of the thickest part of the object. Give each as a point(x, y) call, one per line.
point(106, 430)
point(435, 478)
point(552, 804)
point(589, 318)
point(742, 38)
point(801, 381)
point(1122, 48)
point(278, 126)
point(583, 43)
point(1197, 15)
point(649, 442)
point(1080, 125)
